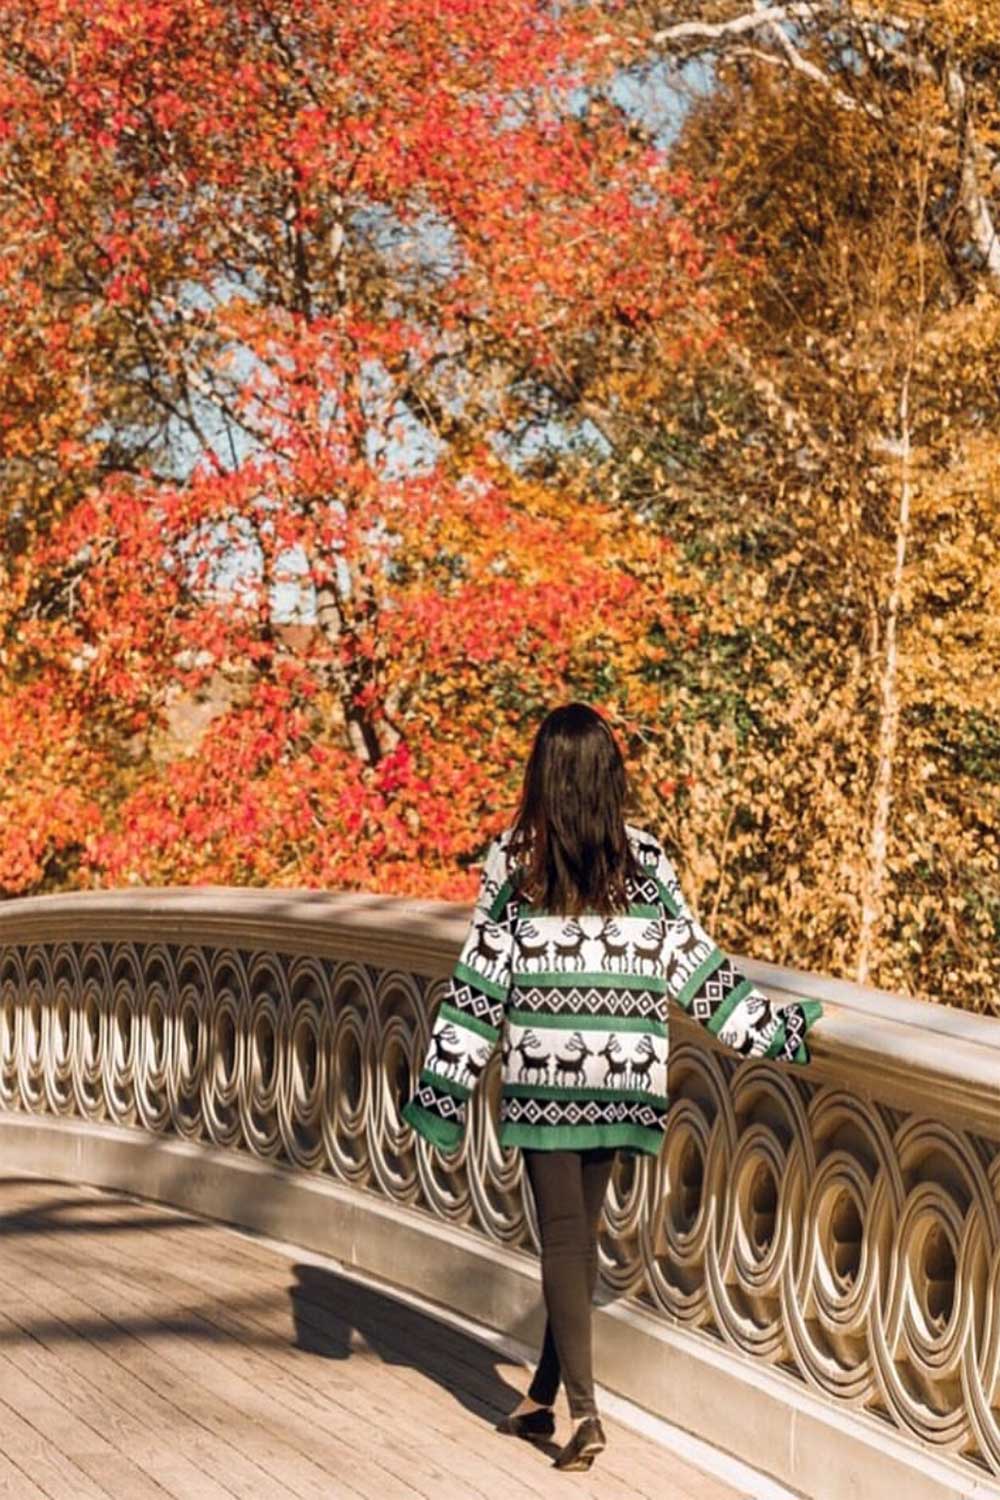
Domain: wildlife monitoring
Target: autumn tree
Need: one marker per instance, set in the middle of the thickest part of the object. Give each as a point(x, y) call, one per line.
point(832, 481)
point(299, 282)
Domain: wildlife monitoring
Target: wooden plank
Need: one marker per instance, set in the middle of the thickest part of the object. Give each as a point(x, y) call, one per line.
point(398, 1323)
point(58, 1438)
point(324, 1387)
point(310, 1454)
point(303, 1422)
point(389, 1419)
point(640, 1464)
point(251, 1342)
point(15, 1484)
point(72, 1416)
point(99, 1369)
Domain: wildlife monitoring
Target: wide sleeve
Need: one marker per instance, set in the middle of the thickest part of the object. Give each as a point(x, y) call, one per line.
point(470, 1015)
point(711, 989)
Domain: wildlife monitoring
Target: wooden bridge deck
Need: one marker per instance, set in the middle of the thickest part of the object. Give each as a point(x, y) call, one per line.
point(144, 1354)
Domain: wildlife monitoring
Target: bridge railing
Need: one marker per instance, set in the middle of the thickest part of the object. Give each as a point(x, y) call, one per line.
point(809, 1275)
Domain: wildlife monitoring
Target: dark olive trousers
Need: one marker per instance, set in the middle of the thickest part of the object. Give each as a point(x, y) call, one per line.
point(568, 1188)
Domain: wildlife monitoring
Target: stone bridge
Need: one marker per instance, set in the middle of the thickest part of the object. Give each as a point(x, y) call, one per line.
point(229, 1269)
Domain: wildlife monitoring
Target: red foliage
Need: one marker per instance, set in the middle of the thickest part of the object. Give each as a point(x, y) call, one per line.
point(316, 224)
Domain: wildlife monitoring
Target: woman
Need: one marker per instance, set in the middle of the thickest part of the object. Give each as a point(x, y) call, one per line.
point(579, 936)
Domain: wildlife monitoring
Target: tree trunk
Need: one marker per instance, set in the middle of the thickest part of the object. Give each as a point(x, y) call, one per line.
point(361, 730)
point(888, 728)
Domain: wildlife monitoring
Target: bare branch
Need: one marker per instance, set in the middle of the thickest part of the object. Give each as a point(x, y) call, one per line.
point(809, 70)
point(768, 21)
point(717, 31)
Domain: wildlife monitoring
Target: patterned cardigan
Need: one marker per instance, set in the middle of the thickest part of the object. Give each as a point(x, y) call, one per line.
point(579, 1005)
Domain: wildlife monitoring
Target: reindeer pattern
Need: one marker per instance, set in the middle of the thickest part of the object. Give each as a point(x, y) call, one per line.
point(522, 945)
point(486, 950)
point(475, 1063)
point(578, 1005)
point(748, 1028)
point(445, 1054)
point(631, 945)
point(686, 946)
point(570, 1067)
point(588, 944)
point(532, 1062)
point(586, 1059)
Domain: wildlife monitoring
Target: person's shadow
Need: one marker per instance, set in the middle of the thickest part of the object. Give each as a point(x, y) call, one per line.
point(331, 1312)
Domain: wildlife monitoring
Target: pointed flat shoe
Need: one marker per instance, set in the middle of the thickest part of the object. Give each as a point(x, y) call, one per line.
point(583, 1447)
point(530, 1424)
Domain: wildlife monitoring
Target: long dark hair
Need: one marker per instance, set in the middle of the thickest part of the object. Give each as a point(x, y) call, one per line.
point(568, 840)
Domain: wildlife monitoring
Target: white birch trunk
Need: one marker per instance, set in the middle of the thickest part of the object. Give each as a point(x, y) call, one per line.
point(873, 884)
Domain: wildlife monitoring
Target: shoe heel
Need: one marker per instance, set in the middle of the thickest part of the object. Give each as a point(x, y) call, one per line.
point(583, 1447)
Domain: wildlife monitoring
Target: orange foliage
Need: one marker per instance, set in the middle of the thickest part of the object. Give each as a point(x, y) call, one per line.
point(281, 286)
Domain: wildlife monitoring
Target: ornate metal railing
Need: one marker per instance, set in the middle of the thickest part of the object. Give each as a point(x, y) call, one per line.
point(840, 1222)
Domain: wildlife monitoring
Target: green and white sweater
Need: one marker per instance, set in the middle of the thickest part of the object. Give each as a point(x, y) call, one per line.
point(579, 1005)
